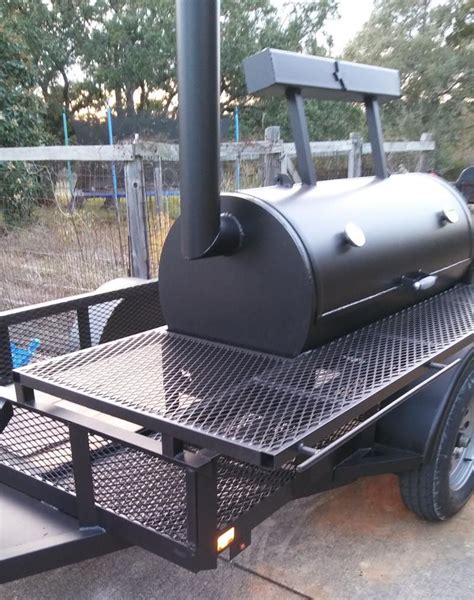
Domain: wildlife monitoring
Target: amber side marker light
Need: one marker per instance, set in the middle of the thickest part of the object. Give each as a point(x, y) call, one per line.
point(225, 539)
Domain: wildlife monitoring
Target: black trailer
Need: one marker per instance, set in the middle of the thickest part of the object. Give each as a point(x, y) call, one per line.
point(188, 474)
point(301, 336)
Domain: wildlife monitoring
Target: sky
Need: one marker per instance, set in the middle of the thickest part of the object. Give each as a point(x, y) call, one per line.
point(352, 15)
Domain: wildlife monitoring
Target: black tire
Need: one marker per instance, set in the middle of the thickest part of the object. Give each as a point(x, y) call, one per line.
point(429, 491)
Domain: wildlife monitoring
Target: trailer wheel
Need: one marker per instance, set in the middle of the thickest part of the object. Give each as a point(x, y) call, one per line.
point(439, 489)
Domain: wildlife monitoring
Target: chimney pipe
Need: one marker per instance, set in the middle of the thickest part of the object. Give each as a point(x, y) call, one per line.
point(205, 232)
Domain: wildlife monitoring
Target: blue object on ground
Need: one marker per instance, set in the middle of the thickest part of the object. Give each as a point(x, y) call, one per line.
point(20, 356)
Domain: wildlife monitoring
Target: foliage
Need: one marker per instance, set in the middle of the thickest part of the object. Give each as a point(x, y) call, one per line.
point(131, 47)
point(433, 47)
point(20, 108)
point(80, 55)
point(21, 190)
point(326, 120)
point(20, 124)
point(250, 26)
point(53, 32)
point(126, 51)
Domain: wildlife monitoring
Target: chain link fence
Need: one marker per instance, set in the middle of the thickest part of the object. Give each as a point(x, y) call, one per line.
point(73, 218)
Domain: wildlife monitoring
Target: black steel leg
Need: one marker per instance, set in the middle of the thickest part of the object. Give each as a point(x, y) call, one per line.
point(171, 445)
point(5, 355)
point(87, 513)
point(201, 487)
point(84, 327)
point(6, 413)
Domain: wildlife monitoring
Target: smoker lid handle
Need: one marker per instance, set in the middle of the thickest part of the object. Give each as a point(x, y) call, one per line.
point(298, 76)
point(421, 283)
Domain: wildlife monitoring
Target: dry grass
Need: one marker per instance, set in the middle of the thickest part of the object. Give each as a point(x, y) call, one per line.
point(61, 254)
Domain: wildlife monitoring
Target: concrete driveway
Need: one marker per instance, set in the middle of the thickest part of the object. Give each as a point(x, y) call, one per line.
point(355, 542)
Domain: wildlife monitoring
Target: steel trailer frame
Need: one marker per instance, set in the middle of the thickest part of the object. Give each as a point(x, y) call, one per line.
point(218, 492)
point(51, 538)
point(211, 439)
point(360, 456)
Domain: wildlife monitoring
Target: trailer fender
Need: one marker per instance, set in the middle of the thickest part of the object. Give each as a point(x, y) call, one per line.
point(416, 424)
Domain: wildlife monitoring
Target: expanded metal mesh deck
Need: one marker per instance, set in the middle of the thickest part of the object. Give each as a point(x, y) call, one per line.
point(251, 405)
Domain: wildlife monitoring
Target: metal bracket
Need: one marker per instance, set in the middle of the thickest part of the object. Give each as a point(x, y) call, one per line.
point(374, 124)
point(83, 480)
point(375, 460)
point(299, 128)
point(316, 455)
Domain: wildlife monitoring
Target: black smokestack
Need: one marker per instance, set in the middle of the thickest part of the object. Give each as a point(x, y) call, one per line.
point(204, 231)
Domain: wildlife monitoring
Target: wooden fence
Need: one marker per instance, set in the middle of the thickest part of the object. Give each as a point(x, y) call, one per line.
point(275, 156)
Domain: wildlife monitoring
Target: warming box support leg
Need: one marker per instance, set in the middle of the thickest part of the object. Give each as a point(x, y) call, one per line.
point(87, 513)
point(201, 487)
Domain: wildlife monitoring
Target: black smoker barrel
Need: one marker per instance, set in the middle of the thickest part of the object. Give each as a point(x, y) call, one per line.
point(314, 261)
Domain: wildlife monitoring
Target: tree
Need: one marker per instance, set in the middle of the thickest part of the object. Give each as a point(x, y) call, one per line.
point(124, 52)
point(431, 46)
point(21, 123)
point(132, 47)
point(53, 33)
point(248, 27)
point(21, 110)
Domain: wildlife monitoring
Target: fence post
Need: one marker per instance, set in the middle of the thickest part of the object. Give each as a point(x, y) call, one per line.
point(158, 181)
point(137, 223)
point(423, 163)
point(271, 160)
point(354, 163)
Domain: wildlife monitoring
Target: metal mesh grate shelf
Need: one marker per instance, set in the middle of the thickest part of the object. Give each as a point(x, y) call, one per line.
point(251, 405)
point(38, 447)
